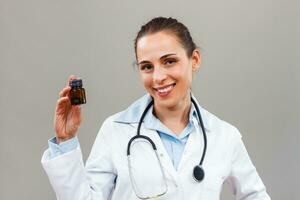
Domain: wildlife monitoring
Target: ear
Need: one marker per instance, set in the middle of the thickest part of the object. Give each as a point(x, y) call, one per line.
point(196, 59)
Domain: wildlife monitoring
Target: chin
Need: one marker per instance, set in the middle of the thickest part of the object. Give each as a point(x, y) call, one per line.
point(166, 103)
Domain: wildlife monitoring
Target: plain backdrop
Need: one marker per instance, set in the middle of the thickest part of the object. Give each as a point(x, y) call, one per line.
point(249, 77)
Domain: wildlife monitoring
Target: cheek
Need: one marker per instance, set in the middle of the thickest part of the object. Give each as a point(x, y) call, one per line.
point(189, 80)
point(146, 80)
point(185, 76)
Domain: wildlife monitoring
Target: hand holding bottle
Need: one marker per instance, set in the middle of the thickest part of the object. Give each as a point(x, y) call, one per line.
point(67, 117)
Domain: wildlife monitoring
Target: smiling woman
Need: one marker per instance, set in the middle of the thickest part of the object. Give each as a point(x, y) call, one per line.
point(166, 71)
point(164, 133)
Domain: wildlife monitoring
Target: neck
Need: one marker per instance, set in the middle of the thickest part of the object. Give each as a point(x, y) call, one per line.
point(175, 117)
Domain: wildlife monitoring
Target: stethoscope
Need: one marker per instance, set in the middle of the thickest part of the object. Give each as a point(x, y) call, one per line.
point(198, 171)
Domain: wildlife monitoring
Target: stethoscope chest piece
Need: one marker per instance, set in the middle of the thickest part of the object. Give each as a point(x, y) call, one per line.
point(198, 173)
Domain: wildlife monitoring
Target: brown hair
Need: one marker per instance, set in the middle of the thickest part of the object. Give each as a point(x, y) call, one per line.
point(171, 25)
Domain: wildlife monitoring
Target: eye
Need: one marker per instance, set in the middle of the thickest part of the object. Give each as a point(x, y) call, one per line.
point(170, 62)
point(146, 67)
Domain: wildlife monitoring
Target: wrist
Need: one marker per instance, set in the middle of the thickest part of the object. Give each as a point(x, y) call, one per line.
point(63, 139)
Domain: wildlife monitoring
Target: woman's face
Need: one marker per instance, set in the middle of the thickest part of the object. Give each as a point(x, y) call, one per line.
point(165, 69)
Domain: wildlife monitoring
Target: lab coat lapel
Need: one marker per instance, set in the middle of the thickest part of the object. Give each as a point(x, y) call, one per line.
point(193, 150)
point(165, 159)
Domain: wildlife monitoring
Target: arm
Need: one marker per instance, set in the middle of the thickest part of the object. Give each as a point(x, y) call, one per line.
point(56, 149)
point(72, 181)
point(243, 179)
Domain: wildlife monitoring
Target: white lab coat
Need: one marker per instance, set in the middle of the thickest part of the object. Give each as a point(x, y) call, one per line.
point(106, 176)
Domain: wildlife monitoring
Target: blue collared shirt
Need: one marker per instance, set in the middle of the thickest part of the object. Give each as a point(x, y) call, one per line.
point(173, 144)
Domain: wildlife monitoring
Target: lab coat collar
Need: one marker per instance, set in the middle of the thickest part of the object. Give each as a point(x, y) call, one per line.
point(133, 113)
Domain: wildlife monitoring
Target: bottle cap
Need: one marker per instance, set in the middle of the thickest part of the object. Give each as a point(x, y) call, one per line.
point(75, 83)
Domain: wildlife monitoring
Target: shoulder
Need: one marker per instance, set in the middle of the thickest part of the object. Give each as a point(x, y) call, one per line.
point(220, 127)
point(133, 112)
point(214, 125)
point(131, 115)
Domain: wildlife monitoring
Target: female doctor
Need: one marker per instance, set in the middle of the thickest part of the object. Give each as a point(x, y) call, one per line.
point(163, 146)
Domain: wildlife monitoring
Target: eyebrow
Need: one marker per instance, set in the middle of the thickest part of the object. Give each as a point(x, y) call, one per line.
point(164, 56)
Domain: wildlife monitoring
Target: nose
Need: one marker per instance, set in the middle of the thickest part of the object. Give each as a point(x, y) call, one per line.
point(159, 75)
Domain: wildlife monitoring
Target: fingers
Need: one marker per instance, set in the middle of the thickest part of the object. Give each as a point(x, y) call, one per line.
point(71, 77)
point(62, 100)
point(64, 92)
point(62, 104)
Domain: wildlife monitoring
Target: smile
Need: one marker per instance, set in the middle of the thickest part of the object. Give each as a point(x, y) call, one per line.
point(165, 90)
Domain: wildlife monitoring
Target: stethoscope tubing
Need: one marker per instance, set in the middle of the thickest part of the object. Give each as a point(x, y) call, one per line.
point(198, 172)
point(203, 131)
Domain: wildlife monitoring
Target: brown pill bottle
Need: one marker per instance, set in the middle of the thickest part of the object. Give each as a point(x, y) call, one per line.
point(77, 92)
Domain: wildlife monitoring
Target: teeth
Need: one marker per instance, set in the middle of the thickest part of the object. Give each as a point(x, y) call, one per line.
point(166, 89)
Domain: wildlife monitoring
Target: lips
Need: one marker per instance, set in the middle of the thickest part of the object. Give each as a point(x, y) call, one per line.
point(164, 90)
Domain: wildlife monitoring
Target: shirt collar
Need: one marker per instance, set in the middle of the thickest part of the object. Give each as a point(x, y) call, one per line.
point(133, 113)
point(151, 122)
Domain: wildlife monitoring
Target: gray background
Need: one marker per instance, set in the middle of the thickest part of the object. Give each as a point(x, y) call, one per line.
point(248, 77)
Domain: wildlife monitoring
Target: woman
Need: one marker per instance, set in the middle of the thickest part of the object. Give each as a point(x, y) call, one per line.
point(167, 58)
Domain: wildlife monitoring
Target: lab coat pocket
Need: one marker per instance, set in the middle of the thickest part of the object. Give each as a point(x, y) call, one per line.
point(212, 183)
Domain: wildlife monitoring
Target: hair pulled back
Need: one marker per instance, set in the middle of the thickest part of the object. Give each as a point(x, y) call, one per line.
point(169, 25)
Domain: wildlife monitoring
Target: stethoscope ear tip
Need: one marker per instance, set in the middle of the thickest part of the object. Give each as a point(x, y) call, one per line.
point(198, 173)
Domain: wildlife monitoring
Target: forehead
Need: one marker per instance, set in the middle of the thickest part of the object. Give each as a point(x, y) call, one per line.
point(155, 45)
